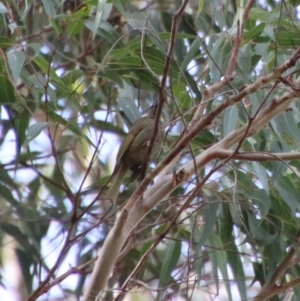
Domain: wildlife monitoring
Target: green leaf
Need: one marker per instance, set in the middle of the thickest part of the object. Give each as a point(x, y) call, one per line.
point(3, 9)
point(49, 7)
point(179, 35)
point(156, 60)
point(244, 61)
point(170, 260)
point(216, 49)
point(276, 167)
point(258, 233)
point(181, 94)
point(193, 85)
point(243, 180)
point(7, 95)
point(34, 187)
point(104, 30)
point(200, 7)
point(7, 181)
point(230, 120)
point(71, 125)
point(255, 32)
point(99, 12)
point(191, 53)
point(294, 3)
point(16, 61)
point(285, 124)
point(209, 219)
point(26, 262)
point(20, 123)
point(140, 20)
point(34, 130)
point(263, 15)
point(46, 68)
point(75, 27)
point(204, 139)
point(117, 54)
point(271, 262)
point(296, 292)
point(72, 76)
point(218, 258)
point(5, 192)
point(15, 232)
point(288, 39)
point(127, 105)
point(38, 80)
point(262, 175)
point(58, 29)
point(5, 42)
point(262, 201)
point(258, 273)
point(114, 76)
point(286, 222)
point(288, 192)
point(233, 254)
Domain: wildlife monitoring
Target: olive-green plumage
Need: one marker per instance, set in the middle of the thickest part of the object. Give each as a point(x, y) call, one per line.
point(133, 151)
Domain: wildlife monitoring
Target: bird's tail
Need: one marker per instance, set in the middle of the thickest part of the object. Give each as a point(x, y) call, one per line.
point(116, 183)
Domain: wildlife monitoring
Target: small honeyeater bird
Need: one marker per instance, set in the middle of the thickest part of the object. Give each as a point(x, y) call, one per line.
point(133, 151)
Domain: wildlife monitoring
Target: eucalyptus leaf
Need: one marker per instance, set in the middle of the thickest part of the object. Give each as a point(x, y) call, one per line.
point(209, 217)
point(3, 9)
point(170, 260)
point(34, 130)
point(191, 53)
point(219, 261)
point(288, 192)
point(104, 29)
point(261, 175)
point(5, 42)
point(230, 120)
point(49, 7)
point(99, 11)
point(258, 233)
point(16, 61)
point(7, 95)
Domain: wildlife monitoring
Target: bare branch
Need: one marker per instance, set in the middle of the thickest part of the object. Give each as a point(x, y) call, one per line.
point(258, 156)
point(135, 211)
point(272, 288)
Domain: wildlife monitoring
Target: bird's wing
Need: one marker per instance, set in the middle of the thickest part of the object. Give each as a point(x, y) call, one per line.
point(135, 130)
point(124, 145)
point(143, 138)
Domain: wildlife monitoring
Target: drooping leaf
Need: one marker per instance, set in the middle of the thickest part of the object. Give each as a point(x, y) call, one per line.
point(16, 60)
point(219, 261)
point(34, 130)
point(230, 120)
point(7, 95)
point(49, 8)
point(170, 260)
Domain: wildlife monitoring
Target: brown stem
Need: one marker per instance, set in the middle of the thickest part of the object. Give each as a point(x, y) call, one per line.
point(237, 42)
point(271, 288)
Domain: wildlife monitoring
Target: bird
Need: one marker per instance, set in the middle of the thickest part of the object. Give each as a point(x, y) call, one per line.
point(133, 152)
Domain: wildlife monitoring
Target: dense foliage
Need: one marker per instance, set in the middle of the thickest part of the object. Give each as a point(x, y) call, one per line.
point(221, 218)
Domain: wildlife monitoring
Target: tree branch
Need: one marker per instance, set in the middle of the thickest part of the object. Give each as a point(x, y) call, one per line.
point(134, 211)
point(257, 156)
point(271, 288)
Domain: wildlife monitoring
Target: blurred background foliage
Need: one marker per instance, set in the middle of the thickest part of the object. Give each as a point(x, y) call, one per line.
point(74, 76)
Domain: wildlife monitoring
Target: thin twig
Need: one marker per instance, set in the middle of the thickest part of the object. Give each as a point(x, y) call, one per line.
point(175, 22)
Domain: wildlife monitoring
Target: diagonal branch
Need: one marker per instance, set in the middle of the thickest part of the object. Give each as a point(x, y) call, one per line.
point(238, 40)
point(134, 211)
point(258, 156)
point(175, 21)
point(272, 288)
